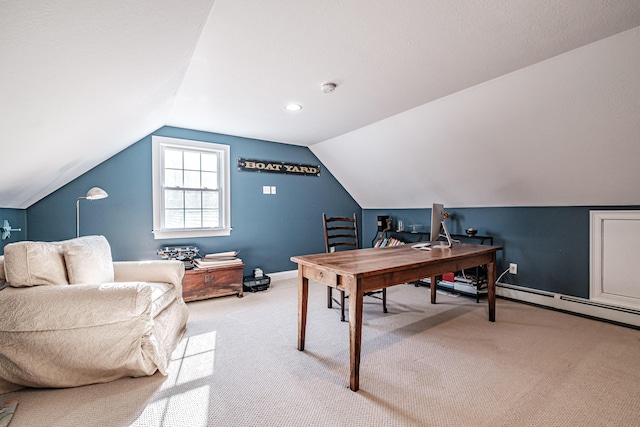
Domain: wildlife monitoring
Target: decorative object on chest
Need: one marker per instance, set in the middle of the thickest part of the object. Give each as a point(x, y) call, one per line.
point(204, 283)
point(185, 254)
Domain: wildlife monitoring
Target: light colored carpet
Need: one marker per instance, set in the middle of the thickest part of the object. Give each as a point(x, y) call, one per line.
point(422, 365)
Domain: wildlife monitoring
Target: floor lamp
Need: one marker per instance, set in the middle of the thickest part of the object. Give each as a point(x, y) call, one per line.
point(96, 193)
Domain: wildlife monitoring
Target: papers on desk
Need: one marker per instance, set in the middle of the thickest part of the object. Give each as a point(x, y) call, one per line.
point(426, 246)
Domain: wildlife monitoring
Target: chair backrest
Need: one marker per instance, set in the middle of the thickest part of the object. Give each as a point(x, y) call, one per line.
point(340, 232)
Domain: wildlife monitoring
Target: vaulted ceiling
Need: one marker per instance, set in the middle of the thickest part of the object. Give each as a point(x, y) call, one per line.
point(487, 103)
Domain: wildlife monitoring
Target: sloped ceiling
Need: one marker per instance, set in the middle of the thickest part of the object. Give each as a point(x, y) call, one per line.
point(80, 80)
point(467, 103)
point(563, 132)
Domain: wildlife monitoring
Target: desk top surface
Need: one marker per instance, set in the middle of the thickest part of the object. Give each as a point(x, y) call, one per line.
point(376, 260)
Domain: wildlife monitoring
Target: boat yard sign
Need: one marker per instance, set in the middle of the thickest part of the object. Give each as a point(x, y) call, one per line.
point(249, 165)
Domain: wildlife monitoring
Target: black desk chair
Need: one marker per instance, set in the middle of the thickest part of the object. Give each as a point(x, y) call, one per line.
point(341, 233)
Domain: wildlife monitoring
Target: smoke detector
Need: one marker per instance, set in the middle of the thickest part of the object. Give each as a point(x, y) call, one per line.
point(328, 87)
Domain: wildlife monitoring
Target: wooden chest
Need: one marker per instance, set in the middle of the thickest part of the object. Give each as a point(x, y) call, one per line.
point(198, 284)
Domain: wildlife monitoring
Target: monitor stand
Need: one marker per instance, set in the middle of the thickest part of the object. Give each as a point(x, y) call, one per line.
point(443, 245)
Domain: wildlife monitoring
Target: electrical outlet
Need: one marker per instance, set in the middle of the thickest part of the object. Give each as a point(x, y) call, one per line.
point(513, 268)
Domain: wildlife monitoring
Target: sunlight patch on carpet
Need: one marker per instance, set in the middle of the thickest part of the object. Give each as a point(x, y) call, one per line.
point(189, 408)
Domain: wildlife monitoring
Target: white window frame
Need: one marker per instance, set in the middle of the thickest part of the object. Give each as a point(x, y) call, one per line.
point(159, 144)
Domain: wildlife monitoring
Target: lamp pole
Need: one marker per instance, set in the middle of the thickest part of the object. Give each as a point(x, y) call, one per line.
point(78, 215)
point(94, 193)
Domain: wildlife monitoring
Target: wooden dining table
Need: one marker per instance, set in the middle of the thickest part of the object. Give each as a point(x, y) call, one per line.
point(364, 270)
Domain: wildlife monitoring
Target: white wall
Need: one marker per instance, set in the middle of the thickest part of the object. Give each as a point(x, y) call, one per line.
point(562, 132)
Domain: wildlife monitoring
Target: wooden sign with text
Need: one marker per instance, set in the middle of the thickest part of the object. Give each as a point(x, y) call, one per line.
point(249, 165)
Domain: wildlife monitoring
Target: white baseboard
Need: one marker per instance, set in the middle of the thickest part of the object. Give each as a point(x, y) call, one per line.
point(284, 275)
point(570, 303)
point(562, 302)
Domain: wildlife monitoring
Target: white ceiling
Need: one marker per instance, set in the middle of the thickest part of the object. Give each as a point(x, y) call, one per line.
point(533, 94)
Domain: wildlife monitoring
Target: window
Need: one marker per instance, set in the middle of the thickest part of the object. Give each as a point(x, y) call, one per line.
point(190, 189)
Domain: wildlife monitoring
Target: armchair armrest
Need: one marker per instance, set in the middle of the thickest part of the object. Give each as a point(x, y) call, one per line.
point(69, 307)
point(162, 271)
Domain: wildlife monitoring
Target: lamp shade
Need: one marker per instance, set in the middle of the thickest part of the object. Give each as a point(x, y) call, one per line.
point(96, 193)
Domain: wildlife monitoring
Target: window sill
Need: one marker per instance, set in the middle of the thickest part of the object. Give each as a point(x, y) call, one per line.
point(178, 234)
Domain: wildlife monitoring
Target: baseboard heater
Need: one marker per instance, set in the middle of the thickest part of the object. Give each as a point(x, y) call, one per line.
point(617, 314)
point(613, 313)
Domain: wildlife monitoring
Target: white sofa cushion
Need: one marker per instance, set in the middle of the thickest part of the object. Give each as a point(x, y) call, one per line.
point(34, 264)
point(88, 260)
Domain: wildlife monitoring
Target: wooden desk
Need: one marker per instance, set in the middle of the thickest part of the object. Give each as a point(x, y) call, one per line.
point(362, 270)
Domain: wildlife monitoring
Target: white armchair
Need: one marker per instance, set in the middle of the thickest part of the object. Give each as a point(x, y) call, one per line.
point(66, 335)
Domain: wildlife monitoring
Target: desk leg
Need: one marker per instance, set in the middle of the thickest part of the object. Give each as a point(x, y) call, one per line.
point(491, 290)
point(303, 298)
point(355, 334)
point(432, 286)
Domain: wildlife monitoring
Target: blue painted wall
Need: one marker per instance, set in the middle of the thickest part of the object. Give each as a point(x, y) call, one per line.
point(267, 229)
point(549, 244)
point(17, 219)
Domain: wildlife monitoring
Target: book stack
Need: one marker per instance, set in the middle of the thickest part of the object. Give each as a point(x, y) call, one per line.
point(388, 241)
point(220, 259)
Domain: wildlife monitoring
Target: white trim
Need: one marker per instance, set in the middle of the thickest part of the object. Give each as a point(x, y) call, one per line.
point(180, 234)
point(284, 275)
point(598, 290)
point(570, 304)
point(158, 143)
point(566, 303)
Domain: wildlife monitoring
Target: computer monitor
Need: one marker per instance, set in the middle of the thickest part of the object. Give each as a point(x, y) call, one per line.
point(437, 216)
point(438, 227)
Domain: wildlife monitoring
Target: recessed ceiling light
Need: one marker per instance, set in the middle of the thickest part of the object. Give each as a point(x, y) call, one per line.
point(293, 107)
